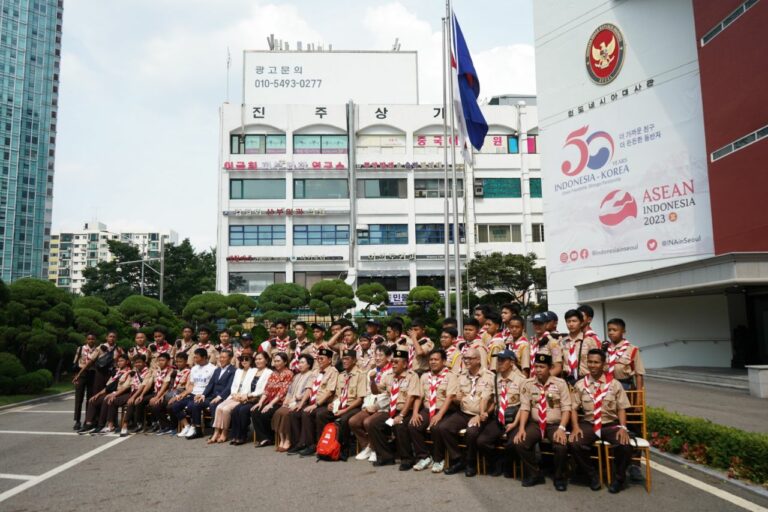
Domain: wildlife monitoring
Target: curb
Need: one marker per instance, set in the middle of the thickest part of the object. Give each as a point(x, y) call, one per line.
point(38, 400)
point(665, 378)
point(719, 475)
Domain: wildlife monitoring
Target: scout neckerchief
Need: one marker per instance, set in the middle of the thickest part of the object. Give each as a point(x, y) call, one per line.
point(160, 378)
point(118, 375)
point(394, 392)
point(182, 376)
point(503, 399)
point(380, 372)
point(597, 399)
point(542, 408)
point(515, 344)
point(222, 347)
point(345, 392)
point(364, 357)
point(298, 347)
point(143, 350)
point(535, 347)
point(85, 353)
point(165, 348)
point(615, 352)
point(315, 387)
point(281, 345)
point(138, 378)
point(574, 355)
point(434, 383)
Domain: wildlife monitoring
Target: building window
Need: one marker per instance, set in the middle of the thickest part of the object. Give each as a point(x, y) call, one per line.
point(383, 234)
point(494, 188)
point(535, 184)
point(531, 146)
point(383, 144)
point(309, 279)
point(538, 232)
point(321, 234)
point(382, 189)
point(256, 235)
point(495, 144)
point(433, 281)
point(391, 283)
point(434, 187)
point(320, 189)
point(496, 233)
point(514, 145)
point(253, 282)
point(316, 144)
point(434, 233)
point(257, 189)
point(252, 144)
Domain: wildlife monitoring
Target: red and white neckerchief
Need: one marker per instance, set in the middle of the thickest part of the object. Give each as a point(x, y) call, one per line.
point(481, 331)
point(394, 393)
point(515, 344)
point(380, 372)
point(138, 378)
point(160, 378)
point(184, 347)
point(207, 347)
point(535, 347)
point(222, 348)
point(615, 352)
point(85, 353)
point(434, 383)
point(597, 399)
point(182, 376)
point(282, 345)
point(165, 348)
point(593, 334)
point(118, 375)
point(505, 332)
point(143, 350)
point(315, 388)
point(574, 347)
point(498, 337)
point(411, 355)
point(473, 384)
point(542, 408)
point(298, 346)
point(503, 400)
point(344, 396)
point(450, 351)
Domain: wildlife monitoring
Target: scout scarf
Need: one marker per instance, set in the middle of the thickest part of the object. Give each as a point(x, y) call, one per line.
point(296, 355)
point(434, 383)
point(394, 392)
point(138, 378)
point(597, 399)
point(381, 372)
point(574, 350)
point(535, 348)
point(542, 408)
point(160, 378)
point(503, 401)
point(615, 352)
point(345, 392)
point(181, 378)
point(315, 388)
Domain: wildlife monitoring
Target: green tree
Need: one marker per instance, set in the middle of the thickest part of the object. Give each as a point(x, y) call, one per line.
point(332, 297)
point(375, 297)
point(424, 302)
point(515, 275)
point(141, 312)
point(111, 280)
point(278, 300)
point(187, 274)
point(210, 308)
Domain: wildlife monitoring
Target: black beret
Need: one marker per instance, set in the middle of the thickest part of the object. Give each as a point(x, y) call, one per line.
point(403, 354)
point(544, 359)
point(349, 353)
point(325, 352)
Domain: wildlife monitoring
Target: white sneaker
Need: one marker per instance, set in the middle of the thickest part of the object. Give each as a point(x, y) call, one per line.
point(185, 431)
point(106, 430)
point(423, 464)
point(363, 455)
point(372, 458)
point(438, 467)
point(192, 431)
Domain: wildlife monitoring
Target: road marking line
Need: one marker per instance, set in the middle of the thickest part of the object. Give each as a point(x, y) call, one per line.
point(9, 476)
point(38, 433)
point(17, 409)
point(724, 495)
point(55, 471)
point(46, 412)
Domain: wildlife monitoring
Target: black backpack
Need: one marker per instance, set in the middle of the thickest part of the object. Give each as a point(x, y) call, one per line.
point(106, 359)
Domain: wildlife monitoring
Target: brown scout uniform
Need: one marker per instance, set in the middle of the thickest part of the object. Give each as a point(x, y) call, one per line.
point(581, 347)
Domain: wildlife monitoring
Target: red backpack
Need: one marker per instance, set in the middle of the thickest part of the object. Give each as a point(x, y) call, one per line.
point(328, 448)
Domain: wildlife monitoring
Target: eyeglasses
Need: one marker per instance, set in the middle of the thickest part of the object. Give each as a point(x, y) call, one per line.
point(470, 358)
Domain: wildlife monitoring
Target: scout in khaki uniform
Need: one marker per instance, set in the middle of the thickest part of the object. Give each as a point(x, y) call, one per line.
point(495, 338)
point(439, 388)
point(508, 312)
point(108, 401)
point(600, 411)
point(588, 314)
point(576, 346)
point(140, 348)
point(471, 339)
point(203, 341)
point(162, 379)
point(280, 342)
point(298, 345)
point(321, 394)
point(366, 353)
point(545, 409)
point(505, 416)
point(450, 345)
point(519, 344)
point(184, 344)
point(318, 342)
point(545, 342)
point(372, 328)
point(351, 387)
point(374, 405)
point(394, 333)
point(83, 379)
point(159, 346)
point(419, 347)
point(401, 388)
point(473, 399)
point(102, 359)
point(161, 409)
point(141, 385)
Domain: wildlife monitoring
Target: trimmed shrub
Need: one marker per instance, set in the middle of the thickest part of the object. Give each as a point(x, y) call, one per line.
point(10, 366)
point(31, 383)
point(47, 375)
point(6, 385)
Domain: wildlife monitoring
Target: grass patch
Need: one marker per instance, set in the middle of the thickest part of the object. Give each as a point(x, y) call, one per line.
point(59, 387)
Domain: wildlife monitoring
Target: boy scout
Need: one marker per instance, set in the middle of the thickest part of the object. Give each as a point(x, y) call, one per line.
point(184, 344)
point(351, 387)
point(372, 328)
point(162, 378)
point(493, 326)
point(474, 396)
point(438, 391)
point(161, 406)
point(519, 344)
point(450, 345)
point(83, 379)
point(141, 385)
point(600, 407)
point(624, 361)
point(96, 412)
point(204, 342)
point(545, 343)
point(508, 312)
point(102, 360)
point(140, 347)
point(281, 342)
point(401, 387)
point(545, 408)
point(320, 394)
point(419, 347)
point(160, 344)
point(588, 314)
point(472, 339)
point(576, 346)
point(508, 382)
point(298, 344)
point(366, 353)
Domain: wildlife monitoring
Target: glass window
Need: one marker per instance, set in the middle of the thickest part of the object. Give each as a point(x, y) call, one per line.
point(257, 189)
point(434, 233)
point(320, 189)
point(320, 144)
point(309, 279)
point(306, 143)
point(236, 145)
point(514, 144)
point(535, 184)
point(383, 188)
point(383, 234)
point(434, 187)
point(495, 233)
point(253, 282)
point(531, 144)
point(275, 144)
point(254, 144)
point(256, 235)
point(382, 143)
point(433, 281)
point(501, 188)
point(538, 232)
point(334, 144)
point(321, 234)
point(391, 283)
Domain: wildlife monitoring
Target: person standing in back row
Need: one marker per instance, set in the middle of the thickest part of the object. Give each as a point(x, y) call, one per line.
point(84, 377)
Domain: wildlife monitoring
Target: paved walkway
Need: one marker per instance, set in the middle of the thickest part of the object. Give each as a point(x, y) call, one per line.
point(726, 407)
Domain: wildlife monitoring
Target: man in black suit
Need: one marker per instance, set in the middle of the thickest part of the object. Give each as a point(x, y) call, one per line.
point(216, 391)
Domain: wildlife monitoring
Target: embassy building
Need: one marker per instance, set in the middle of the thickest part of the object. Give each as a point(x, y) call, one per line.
point(655, 146)
point(325, 174)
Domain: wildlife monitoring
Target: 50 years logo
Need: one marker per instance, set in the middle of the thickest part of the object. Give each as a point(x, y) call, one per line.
point(594, 150)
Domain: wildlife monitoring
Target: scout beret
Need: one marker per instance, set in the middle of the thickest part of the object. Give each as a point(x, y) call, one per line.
point(506, 354)
point(349, 353)
point(402, 354)
point(373, 322)
point(544, 359)
point(318, 326)
point(540, 318)
point(325, 352)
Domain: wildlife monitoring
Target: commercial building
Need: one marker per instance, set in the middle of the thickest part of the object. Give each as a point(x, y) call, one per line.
point(314, 186)
point(655, 145)
point(30, 54)
point(72, 252)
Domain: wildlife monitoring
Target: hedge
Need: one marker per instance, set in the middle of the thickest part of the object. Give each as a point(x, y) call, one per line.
point(743, 455)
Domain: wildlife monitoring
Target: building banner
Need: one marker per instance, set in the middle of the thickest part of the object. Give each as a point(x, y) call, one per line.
point(627, 181)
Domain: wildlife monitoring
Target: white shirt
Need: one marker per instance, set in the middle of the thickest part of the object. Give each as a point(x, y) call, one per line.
point(200, 375)
point(242, 381)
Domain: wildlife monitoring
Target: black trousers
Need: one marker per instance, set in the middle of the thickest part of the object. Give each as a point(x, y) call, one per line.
point(100, 378)
point(448, 431)
point(418, 437)
point(135, 413)
point(161, 413)
point(527, 450)
point(262, 424)
point(324, 416)
point(83, 391)
point(380, 433)
point(295, 419)
point(582, 449)
point(241, 419)
point(310, 431)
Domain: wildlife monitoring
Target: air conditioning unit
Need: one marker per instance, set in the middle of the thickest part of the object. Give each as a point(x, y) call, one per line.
point(478, 187)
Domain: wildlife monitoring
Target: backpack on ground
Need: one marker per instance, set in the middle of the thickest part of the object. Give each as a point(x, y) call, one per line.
point(329, 448)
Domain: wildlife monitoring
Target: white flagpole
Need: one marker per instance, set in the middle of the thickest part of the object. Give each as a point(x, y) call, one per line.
point(446, 220)
point(457, 254)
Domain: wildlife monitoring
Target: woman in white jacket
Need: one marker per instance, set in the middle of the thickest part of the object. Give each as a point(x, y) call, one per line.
point(241, 415)
point(241, 386)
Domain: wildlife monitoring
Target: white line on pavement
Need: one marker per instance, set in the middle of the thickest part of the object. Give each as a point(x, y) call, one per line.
point(9, 476)
point(55, 471)
point(46, 412)
point(739, 502)
point(38, 433)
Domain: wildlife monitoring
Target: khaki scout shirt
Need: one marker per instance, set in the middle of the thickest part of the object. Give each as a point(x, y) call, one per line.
point(447, 385)
point(327, 385)
point(355, 381)
point(629, 362)
point(97, 352)
point(83, 355)
point(420, 363)
point(409, 386)
point(213, 354)
point(366, 359)
point(522, 349)
point(181, 346)
point(166, 379)
point(558, 398)
point(615, 399)
point(473, 389)
point(125, 382)
point(513, 382)
point(495, 345)
point(581, 347)
point(550, 345)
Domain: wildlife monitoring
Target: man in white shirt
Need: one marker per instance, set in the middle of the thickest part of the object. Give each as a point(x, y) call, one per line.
point(199, 376)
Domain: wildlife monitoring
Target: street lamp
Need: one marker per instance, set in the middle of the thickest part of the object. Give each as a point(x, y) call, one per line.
point(145, 263)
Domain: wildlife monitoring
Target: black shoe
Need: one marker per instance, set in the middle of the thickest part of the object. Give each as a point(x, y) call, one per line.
point(594, 483)
point(470, 471)
point(406, 466)
point(294, 450)
point(85, 429)
point(308, 451)
point(561, 485)
point(197, 435)
point(533, 480)
point(385, 462)
point(455, 468)
point(615, 487)
point(138, 429)
point(155, 428)
point(76, 426)
point(635, 475)
point(498, 468)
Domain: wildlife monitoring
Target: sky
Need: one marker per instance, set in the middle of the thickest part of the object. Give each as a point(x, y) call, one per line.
point(142, 81)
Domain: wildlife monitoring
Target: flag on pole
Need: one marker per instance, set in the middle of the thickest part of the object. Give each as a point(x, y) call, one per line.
point(471, 123)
